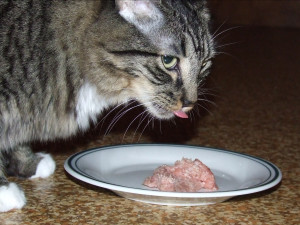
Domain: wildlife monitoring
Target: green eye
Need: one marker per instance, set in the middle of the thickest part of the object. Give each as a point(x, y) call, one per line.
point(170, 62)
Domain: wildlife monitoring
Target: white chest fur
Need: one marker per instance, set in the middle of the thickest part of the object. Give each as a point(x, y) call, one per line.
point(89, 105)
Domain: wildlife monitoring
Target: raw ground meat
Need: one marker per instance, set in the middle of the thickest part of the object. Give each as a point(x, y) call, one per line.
point(185, 176)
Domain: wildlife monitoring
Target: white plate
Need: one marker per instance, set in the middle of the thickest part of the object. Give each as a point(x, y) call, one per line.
point(123, 168)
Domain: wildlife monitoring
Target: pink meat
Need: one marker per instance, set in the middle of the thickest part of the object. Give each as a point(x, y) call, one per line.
point(185, 176)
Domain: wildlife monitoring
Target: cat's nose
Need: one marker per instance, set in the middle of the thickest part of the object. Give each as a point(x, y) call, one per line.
point(187, 105)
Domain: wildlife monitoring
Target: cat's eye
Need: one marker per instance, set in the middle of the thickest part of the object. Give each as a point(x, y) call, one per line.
point(169, 62)
point(204, 64)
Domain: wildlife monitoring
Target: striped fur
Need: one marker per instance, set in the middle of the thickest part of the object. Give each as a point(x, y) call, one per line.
point(64, 61)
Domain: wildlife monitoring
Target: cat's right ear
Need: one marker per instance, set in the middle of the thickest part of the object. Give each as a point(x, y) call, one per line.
point(143, 14)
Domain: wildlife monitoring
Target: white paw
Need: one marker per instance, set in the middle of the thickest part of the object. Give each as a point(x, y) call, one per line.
point(45, 167)
point(11, 197)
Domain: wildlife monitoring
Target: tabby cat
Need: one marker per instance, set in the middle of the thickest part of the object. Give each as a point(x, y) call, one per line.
point(64, 61)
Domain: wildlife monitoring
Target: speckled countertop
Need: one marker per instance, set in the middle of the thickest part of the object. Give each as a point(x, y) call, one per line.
point(256, 89)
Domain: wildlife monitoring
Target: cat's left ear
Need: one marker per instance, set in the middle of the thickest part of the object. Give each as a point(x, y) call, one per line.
point(141, 13)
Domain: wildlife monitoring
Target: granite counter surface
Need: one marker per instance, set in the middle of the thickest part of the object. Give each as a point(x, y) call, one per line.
point(255, 87)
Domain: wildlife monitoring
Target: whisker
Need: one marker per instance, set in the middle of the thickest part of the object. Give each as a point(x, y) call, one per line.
point(140, 123)
point(173, 121)
point(202, 99)
point(140, 115)
point(126, 104)
point(207, 101)
point(160, 130)
point(207, 92)
point(149, 121)
point(192, 116)
point(216, 31)
point(224, 31)
point(122, 112)
point(226, 53)
point(205, 108)
point(153, 124)
point(228, 44)
point(118, 117)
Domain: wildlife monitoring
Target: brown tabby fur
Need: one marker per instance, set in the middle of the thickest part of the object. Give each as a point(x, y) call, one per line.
point(55, 54)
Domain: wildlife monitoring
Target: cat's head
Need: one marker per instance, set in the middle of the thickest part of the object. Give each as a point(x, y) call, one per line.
point(163, 49)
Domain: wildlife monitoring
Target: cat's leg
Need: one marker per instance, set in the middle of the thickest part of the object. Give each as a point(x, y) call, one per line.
point(24, 163)
point(21, 162)
point(11, 196)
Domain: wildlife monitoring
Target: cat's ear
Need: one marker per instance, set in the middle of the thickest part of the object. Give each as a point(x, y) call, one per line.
point(201, 7)
point(141, 13)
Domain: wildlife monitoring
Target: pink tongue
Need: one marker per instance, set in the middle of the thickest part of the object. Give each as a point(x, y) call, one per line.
point(181, 114)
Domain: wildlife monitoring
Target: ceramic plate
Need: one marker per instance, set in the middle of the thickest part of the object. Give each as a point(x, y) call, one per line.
point(123, 168)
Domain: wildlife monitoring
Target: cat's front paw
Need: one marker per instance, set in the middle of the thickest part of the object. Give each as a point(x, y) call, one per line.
point(11, 197)
point(46, 166)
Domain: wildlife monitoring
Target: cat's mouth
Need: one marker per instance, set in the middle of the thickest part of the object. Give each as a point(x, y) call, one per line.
point(181, 114)
point(163, 113)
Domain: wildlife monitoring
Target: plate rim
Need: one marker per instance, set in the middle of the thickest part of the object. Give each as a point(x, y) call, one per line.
point(78, 174)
